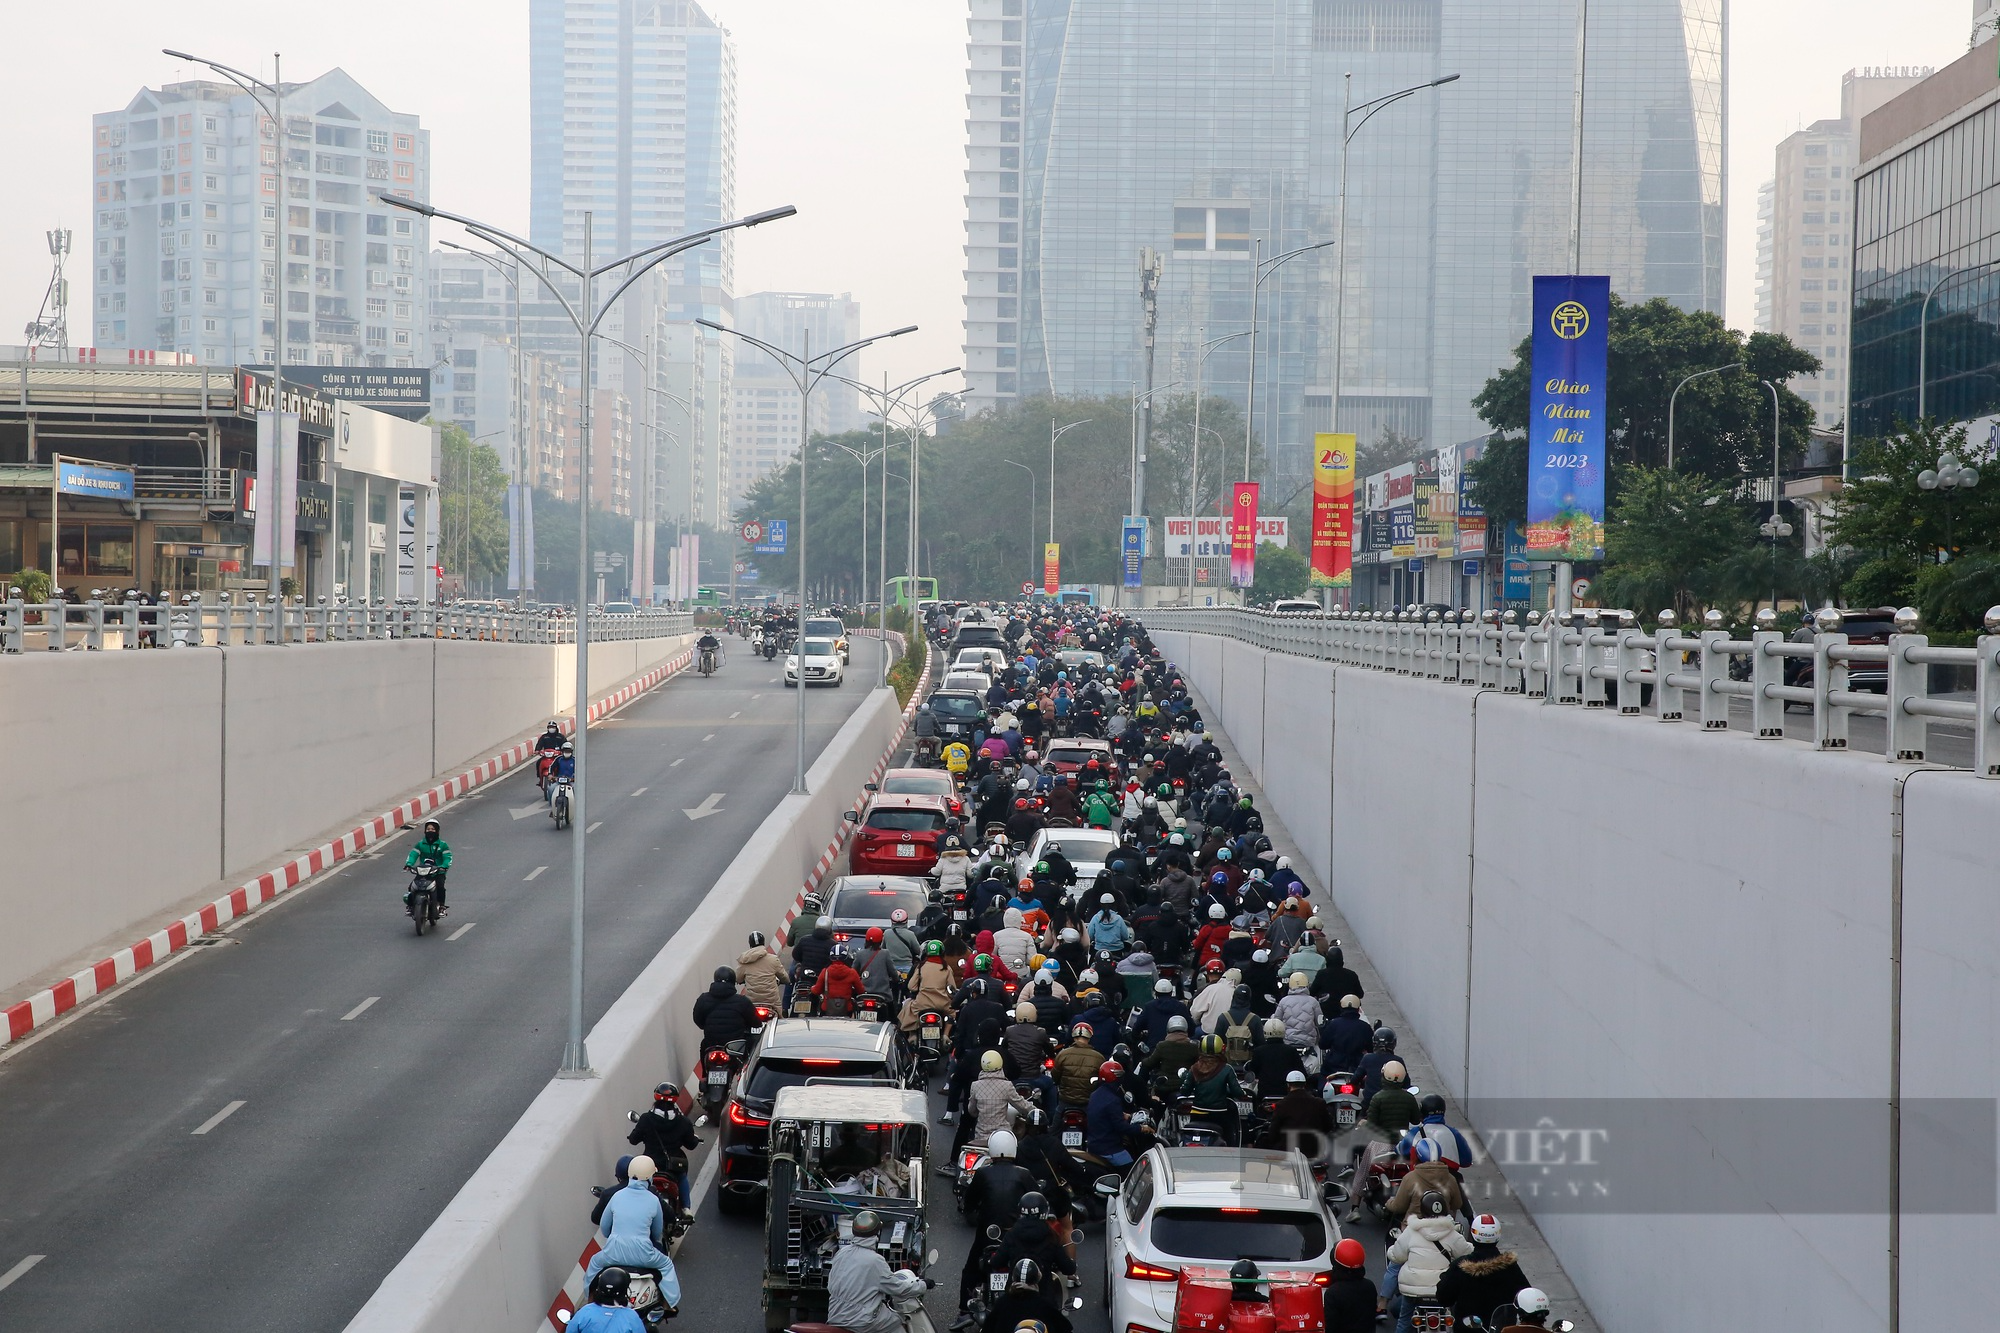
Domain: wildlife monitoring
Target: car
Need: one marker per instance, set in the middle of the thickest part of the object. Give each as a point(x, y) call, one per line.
point(822, 663)
point(992, 661)
point(854, 903)
point(830, 627)
point(897, 835)
point(1076, 657)
point(619, 609)
point(1867, 625)
point(1086, 848)
point(969, 681)
point(976, 634)
point(1070, 754)
point(1306, 605)
point(958, 713)
point(918, 782)
point(791, 1051)
point(1209, 1207)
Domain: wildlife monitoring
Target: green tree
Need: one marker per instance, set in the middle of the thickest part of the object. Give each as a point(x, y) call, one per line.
point(1282, 571)
point(1672, 542)
point(472, 512)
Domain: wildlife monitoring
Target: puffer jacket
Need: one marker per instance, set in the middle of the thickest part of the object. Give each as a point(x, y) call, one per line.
point(1076, 1071)
point(1425, 1249)
point(952, 869)
point(993, 1103)
point(1299, 1012)
point(761, 977)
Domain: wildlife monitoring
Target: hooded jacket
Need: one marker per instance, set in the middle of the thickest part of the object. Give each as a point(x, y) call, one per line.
point(952, 869)
point(1425, 1249)
point(722, 1015)
point(1299, 1012)
point(761, 977)
point(1213, 1002)
point(813, 950)
point(1076, 1071)
point(1482, 1281)
point(1425, 1176)
point(993, 1103)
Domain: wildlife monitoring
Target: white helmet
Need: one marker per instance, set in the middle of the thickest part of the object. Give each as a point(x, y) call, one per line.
point(1001, 1145)
point(1163, 987)
point(1020, 784)
point(1215, 912)
point(1531, 1300)
point(640, 1168)
point(1485, 1229)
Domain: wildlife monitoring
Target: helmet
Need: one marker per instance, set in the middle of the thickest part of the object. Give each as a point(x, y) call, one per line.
point(1274, 1027)
point(1432, 1104)
point(899, 917)
point(640, 1168)
point(1050, 964)
point(1110, 1071)
point(933, 948)
point(1485, 1229)
point(667, 1092)
point(1211, 1045)
point(983, 963)
point(1212, 965)
point(1041, 867)
point(1394, 1072)
point(1176, 1024)
point(727, 974)
point(553, 725)
point(1021, 784)
point(1222, 854)
point(811, 903)
point(431, 826)
point(1002, 1144)
point(1218, 878)
point(989, 1061)
point(1033, 1203)
point(1297, 1076)
point(874, 934)
point(1163, 987)
point(1531, 1300)
point(1024, 1012)
point(1215, 911)
point(1082, 1032)
point(756, 939)
point(611, 1286)
point(1351, 1002)
point(1106, 899)
point(1297, 981)
point(1069, 935)
point(1349, 1254)
point(1026, 1274)
point(1432, 1204)
point(1244, 1270)
point(840, 952)
point(568, 748)
point(1385, 1039)
point(1422, 1152)
point(867, 1223)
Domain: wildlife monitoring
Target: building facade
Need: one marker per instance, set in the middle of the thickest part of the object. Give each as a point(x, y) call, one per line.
point(1926, 240)
point(764, 398)
point(1805, 235)
point(186, 224)
point(1212, 133)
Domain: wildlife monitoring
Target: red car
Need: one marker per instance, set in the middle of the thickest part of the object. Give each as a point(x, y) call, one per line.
point(922, 782)
point(1070, 755)
point(897, 835)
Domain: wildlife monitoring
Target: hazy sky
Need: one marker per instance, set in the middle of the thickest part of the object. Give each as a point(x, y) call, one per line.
point(853, 110)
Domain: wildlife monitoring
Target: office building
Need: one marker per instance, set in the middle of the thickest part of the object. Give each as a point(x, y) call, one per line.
point(1212, 133)
point(1805, 235)
point(764, 398)
point(1925, 242)
point(185, 226)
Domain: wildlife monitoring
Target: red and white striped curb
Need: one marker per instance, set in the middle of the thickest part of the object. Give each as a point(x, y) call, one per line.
point(571, 1296)
point(45, 1006)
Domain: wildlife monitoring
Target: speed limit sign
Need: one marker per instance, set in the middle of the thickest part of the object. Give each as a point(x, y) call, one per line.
point(752, 532)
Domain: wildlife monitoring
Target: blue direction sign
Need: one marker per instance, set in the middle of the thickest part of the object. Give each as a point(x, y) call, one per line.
point(106, 483)
point(775, 532)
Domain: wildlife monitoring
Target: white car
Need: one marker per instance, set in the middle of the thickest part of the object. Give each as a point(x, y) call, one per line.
point(1087, 849)
point(978, 682)
point(1208, 1207)
point(823, 665)
point(991, 661)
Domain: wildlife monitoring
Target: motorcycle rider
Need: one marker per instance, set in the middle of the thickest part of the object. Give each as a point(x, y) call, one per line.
point(1350, 1296)
point(1152, 1021)
point(1273, 1060)
point(607, 1311)
point(876, 966)
point(547, 746)
point(664, 1134)
point(1107, 931)
point(1024, 1306)
point(838, 985)
point(1344, 1039)
point(1033, 1237)
point(992, 1198)
point(991, 1103)
point(1483, 1280)
point(861, 1288)
point(1299, 1012)
point(633, 1226)
point(807, 921)
point(1076, 1066)
point(433, 848)
point(1212, 1086)
point(1428, 1173)
point(1531, 1306)
point(1453, 1150)
point(723, 1015)
point(903, 945)
point(1300, 1120)
point(931, 988)
point(563, 769)
point(1107, 1129)
point(1175, 1052)
point(1373, 1063)
point(708, 645)
point(1426, 1246)
point(760, 974)
point(1024, 1043)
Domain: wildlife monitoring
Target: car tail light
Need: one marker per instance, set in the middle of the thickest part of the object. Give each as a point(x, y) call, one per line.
point(831, 1064)
point(1244, 1212)
point(1141, 1271)
point(739, 1116)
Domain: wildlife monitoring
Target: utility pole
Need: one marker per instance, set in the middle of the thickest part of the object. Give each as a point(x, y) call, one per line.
point(1150, 264)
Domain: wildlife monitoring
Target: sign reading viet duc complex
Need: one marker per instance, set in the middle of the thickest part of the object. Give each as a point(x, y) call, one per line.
point(1333, 511)
point(1566, 410)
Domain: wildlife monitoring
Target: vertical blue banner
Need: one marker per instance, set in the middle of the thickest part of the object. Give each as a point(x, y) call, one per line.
point(1567, 404)
point(1131, 549)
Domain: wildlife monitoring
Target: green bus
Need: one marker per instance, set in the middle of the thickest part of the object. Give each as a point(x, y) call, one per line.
point(900, 591)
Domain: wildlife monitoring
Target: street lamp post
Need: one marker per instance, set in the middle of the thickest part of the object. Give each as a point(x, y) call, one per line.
point(519, 531)
point(1032, 506)
point(585, 315)
point(1056, 433)
point(1950, 476)
point(1262, 269)
point(1923, 338)
point(1713, 370)
point(1194, 462)
point(643, 551)
point(805, 371)
point(1773, 527)
point(1347, 133)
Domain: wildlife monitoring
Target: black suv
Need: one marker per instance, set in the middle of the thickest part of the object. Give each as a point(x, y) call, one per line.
point(791, 1051)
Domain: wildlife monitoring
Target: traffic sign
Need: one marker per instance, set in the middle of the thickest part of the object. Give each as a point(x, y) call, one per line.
point(776, 530)
point(752, 531)
point(1029, 588)
point(600, 562)
point(618, 560)
point(1580, 588)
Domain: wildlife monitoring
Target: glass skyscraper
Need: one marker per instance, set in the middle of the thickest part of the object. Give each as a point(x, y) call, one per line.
point(1210, 130)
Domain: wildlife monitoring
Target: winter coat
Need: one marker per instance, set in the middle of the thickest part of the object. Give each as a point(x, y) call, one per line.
point(1392, 1110)
point(992, 1103)
point(722, 1015)
point(1482, 1281)
point(1285, 930)
point(1269, 1062)
point(1209, 1006)
point(1178, 887)
point(1169, 1059)
point(1422, 1178)
point(1023, 1044)
point(761, 977)
point(952, 869)
point(1299, 1012)
point(858, 1287)
point(1350, 1302)
point(1425, 1249)
point(1345, 1040)
point(1208, 942)
point(813, 950)
point(1076, 1070)
point(1014, 946)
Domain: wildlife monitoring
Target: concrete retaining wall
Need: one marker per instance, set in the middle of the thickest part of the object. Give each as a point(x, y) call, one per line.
point(510, 1237)
point(1575, 905)
point(147, 777)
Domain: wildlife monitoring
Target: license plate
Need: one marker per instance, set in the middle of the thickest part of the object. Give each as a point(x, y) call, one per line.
point(906, 849)
point(1072, 1138)
point(718, 1077)
point(997, 1282)
point(1345, 1117)
point(960, 914)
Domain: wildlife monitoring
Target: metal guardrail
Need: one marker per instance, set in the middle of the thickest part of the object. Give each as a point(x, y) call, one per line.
point(1662, 673)
point(192, 623)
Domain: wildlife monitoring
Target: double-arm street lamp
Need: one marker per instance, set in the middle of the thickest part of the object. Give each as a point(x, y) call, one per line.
point(805, 371)
point(1713, 370)
point(585, 313)
point(1056, 433)
point(520, 521)
point(1262, 269)
point(648, 518)
point(1031, 509)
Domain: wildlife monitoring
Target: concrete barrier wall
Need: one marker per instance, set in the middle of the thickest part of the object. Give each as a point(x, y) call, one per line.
point(147, 777)
point(1574, 905)
point(507, 1242)
point(1298, 721)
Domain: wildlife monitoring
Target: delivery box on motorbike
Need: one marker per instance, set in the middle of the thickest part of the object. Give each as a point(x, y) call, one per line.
point(1203, 1304)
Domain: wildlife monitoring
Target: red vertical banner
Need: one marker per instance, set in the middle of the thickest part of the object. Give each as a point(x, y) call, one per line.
point(1333, 511)
point(1243, 535)
point(1051, 567)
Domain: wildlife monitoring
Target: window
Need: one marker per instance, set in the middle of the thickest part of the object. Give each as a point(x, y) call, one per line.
point(377, 307)
point(1211, 1233)
point(377, 225)
point(402, 310)
point(402, 337)
point(402, 226)
point(211, 183)
point(378, 141)
point(96, 548)
point(405, 143)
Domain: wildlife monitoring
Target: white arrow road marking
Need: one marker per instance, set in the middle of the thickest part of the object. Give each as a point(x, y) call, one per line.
point(735, 715)
point(709, 737)
point(532, 873)
point(225, 1112)
point(355, 1012)
point(523, 811)
point(19, 1271)
point(706, 808)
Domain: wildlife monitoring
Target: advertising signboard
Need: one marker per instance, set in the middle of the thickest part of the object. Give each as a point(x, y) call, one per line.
point(1333, 511)
point(1566, 410)
point(1243, 535)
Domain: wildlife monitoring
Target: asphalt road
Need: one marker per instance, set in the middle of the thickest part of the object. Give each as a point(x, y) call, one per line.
point(251, 1138)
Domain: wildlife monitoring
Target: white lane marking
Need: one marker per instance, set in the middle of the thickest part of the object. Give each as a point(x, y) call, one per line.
point(460, 931)
point(733, 716)
point(520, 812)
point(536, 871)
point(709, 737)
point(20, 1270)
point(227, 1111)
point(594, 827)
point(706, 808)
point(355, 1012)
point(756, 696)
point(640, 792)
point(703, 1180)
point(678, 762)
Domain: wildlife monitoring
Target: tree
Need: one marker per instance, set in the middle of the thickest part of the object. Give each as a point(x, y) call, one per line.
point(472, 511)
point(1389, 449)
point(1282, 571)
point(1672, 542)
point(1897, 529)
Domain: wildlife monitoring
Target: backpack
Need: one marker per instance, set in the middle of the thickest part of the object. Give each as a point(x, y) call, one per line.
point(1237, 1039)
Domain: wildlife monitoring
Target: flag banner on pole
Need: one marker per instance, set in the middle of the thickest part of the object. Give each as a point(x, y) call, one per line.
point(1333, 511)
point(1567, 403)
point(514, 552)
point(286, 493)
point(1051, 567)
point(1132, 551)
point(1243, 535)
point(263, 534)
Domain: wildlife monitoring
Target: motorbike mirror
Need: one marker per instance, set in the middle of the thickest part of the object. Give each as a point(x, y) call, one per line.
point(1076, 1233)
point(869, 786)
point(562, 1317)
point(1334, 1193)
point(931, 1258)
point(633, 1116)
point(993, 1231)
point(1107, 1186)
point(852, 816)
point(1562, 1326)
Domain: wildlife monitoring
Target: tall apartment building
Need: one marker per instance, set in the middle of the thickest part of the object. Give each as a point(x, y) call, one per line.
point(764, 399)
point(632, 107)
point(185, 225)
point(1211, 133)
point(1805, 245)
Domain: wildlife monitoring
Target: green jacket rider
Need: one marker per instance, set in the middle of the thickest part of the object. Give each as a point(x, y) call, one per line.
point(431, 847)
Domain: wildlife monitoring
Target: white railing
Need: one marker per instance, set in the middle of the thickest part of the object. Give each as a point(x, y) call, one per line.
point(1605, 660)
point(192, 623)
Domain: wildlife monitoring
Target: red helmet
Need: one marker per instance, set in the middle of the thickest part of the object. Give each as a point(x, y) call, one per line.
point(874, 934)
point(1349, 1254)
point(1020, 803)
point(1110, 1071)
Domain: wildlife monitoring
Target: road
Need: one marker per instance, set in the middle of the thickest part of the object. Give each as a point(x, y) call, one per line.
point(253, 1137)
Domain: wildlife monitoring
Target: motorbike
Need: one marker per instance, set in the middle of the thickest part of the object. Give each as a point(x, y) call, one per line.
point(1344, 1105)
point(643, 1298)
point(927, 751)
point(970, 1159)
point(422, 897)
point(1376, 1188)
point(1507, 1314)
point(872, 1008)
point(710, 659)
point(803, 1004)
point(769, 648)
point(718, 1068)
point(930, 1043)
point(560, 802)
point(1190, 1127)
